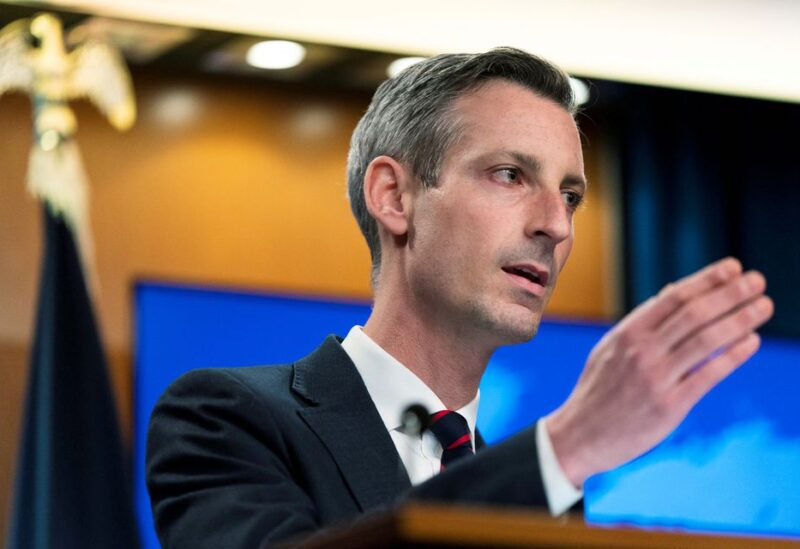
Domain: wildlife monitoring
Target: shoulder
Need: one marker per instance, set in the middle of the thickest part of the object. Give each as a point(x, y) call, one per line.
point(327, 363)
point(219, 382)
point(253, 394)
point(233, 400)
point(306, 379)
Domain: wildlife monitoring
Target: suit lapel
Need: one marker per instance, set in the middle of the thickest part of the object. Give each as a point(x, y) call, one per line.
point(345, 419)
point(480, 444)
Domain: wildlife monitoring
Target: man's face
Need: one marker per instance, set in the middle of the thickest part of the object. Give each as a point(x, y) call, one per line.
point(486, 245)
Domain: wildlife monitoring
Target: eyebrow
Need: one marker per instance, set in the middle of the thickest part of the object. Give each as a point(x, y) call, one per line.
point(533, 165)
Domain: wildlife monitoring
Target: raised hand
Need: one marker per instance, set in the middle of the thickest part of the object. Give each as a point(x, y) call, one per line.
point(646, 374)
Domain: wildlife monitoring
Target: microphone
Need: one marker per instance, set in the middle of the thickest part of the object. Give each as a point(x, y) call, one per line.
point(415, 420)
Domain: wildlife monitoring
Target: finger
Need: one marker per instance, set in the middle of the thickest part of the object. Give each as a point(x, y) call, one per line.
point(706, 308)
point(702, 380)
point(718, 335)
point(673, 296)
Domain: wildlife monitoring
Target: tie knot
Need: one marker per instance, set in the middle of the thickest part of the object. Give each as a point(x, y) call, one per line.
point(452, 432)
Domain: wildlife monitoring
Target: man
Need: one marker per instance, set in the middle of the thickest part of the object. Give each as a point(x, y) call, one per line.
point(464, 176)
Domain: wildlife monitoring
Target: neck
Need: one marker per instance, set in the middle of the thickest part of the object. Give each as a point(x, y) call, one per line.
point(448, 360)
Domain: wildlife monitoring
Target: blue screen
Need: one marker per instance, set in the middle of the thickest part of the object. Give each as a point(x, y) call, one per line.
point(733, 465)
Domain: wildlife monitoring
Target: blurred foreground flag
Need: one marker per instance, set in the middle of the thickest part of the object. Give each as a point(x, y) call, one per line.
point(72, 489)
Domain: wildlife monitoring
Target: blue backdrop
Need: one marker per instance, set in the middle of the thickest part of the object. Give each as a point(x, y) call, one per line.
point(731, 466)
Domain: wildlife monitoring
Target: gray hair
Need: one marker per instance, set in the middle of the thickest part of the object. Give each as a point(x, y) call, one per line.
point(409, 118)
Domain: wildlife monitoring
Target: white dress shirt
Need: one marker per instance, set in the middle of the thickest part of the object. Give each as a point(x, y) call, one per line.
point(393, 388)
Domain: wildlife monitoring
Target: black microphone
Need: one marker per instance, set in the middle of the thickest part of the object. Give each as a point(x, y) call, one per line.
point(415, 420)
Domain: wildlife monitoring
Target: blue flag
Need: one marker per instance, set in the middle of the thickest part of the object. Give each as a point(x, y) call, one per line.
point(72, 490)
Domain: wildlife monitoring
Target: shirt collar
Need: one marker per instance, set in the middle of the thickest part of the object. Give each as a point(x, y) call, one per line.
point(392, 386)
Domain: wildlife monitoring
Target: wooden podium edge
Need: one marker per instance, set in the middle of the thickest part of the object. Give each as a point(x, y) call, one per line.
point(432, 525)
point(514, 527)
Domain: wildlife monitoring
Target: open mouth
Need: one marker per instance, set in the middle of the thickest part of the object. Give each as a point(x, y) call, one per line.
point(528, 272)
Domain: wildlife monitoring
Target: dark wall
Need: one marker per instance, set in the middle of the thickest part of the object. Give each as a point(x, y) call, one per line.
point(705, 176)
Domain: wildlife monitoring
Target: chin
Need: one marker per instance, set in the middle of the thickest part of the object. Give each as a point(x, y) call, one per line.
point(517, 328)
point(502, 323)
point(522, 334)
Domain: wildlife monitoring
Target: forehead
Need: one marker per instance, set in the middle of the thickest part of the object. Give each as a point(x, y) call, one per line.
point(506, 116)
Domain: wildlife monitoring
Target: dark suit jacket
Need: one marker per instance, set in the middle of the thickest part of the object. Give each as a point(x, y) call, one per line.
point(242, 455)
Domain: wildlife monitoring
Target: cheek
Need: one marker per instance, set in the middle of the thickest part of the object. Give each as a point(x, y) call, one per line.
point(458, 232)
point(456, 248)
point(480, 233)
point(455, 225)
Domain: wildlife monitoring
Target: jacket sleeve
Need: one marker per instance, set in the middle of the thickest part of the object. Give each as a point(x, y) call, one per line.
point(505, 474)
point(218, 471)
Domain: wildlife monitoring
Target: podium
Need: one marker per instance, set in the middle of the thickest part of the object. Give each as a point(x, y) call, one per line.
point(425, 525)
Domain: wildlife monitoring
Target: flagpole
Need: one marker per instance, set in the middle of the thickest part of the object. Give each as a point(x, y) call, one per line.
point(72, 486)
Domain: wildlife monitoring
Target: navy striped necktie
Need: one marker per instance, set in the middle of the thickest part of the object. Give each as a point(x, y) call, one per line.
point(452, 432)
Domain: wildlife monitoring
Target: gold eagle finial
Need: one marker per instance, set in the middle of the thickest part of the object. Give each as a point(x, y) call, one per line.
point(34, 60)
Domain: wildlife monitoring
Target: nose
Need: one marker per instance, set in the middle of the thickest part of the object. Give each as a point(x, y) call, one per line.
point(549, 216)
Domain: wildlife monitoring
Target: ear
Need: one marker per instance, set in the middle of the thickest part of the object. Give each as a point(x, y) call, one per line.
point(386, 192)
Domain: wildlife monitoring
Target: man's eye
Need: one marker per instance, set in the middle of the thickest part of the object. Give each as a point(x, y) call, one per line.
point(507, 175)
point(572, 199)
